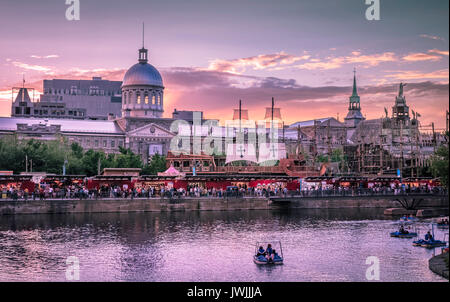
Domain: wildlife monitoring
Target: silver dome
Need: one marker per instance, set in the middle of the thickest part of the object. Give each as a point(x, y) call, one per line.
point(142, 74)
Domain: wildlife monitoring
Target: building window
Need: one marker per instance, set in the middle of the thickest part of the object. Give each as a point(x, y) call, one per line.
point(120, 143)
point(139, 99)
point(105, 143)
point(96, 143)
point(93, 90)
point(146, 98)
point(113, 144)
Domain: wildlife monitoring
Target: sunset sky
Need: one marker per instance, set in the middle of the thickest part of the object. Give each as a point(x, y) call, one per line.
point(212, 53)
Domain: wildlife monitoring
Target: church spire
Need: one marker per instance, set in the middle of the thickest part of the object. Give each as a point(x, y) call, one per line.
point(355, 93)
point(354, 115)
point(143, 54)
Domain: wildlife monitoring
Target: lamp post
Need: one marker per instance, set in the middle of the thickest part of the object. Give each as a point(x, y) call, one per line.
point(64, 166)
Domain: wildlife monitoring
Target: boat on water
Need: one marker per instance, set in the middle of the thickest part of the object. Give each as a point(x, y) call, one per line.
point(443, 223)
point(399, 234)
point(403, 233)
point(429, 242)
point(409, 219)
point(272, 255)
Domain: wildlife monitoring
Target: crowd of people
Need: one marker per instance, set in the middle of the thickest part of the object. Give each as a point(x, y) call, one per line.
point(80, 191)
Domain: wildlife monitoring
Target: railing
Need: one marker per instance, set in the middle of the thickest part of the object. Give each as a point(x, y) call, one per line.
point(174, 194)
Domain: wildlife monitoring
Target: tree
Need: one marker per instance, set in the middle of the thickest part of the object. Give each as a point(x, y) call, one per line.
point(439, 164)
point(90, 162)
point(12, 157)
point(127, 159)
point(157, 164)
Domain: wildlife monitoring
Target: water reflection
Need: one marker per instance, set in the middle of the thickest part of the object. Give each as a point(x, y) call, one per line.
point(318, 245)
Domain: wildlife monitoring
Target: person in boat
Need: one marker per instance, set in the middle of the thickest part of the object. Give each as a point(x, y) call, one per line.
point(261, 252)
point(261, 258)
point(428, 236)
point(269, 250)
point(276, 257)
point(402, 230)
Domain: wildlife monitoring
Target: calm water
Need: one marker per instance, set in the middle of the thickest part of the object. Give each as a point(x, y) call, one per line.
point(318, 245)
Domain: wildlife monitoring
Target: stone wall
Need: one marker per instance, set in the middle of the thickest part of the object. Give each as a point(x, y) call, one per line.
point(57, 206)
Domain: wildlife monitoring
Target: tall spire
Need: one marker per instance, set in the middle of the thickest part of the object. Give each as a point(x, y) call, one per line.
point(143, 52)
point(355, 93)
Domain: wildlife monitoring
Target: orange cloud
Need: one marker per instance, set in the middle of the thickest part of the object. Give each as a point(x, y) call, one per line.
point(333, 63)
point(440, 52)
point(417, 75)
point(371, 60)
point(259, 62)
point(413, 57)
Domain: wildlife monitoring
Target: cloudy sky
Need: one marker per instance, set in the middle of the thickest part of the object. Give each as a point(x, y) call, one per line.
point(212, 53)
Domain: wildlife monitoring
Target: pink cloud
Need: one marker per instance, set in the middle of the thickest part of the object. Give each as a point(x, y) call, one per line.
point(40, 68)
point(259, 62)
point(417, 75)
point(44, 57)
point(440, 52)
point(421, 57)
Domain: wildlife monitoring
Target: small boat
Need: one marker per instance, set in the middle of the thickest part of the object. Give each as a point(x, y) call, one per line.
point(442, 224)
point(408, 219)
point(429, 244)
point(403, 235)
point(262, 260)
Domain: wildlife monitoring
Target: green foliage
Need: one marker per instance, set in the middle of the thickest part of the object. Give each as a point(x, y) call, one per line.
point(50, 156)
point(127, 159)
point(439, 164)
point(322, 158)
point(337, 155)
point(157, 164)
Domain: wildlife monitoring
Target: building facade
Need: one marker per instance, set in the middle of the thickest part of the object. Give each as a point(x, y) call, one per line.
point(77, 99)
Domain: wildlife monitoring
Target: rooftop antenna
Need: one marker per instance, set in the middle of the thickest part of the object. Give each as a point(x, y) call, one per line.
point(240, 116)
point(23, 85)
point(143, 54)
point(273, 103)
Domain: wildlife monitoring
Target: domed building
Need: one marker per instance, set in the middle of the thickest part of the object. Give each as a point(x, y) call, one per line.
point(142, 90)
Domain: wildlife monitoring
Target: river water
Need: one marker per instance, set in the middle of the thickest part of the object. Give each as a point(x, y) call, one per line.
point(318, 245)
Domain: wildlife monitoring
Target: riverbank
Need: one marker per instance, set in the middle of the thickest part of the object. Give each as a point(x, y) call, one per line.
point(438, 265)
point(110, 205)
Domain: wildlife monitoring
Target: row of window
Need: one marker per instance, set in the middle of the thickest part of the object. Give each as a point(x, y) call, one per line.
point(93, 90)
point(45, 112)
point(97, 143)
point(156, 99)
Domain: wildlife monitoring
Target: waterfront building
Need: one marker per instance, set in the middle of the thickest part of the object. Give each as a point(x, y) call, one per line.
point(142, 89)
point(74, 99)
point(391, 144)
point(89, 113)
